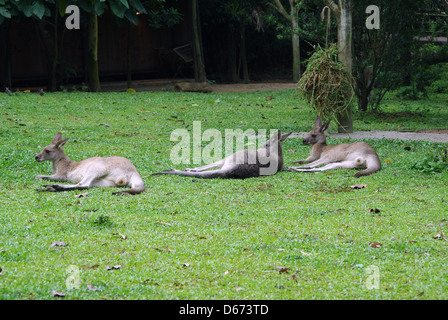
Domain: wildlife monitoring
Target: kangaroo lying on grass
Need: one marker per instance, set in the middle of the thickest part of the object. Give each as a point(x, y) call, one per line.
point(342, 156)
point(242, 164)
point(91, 172)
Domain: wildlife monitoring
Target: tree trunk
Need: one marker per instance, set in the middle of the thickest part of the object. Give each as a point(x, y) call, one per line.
point(92, 52)
point(292, 17)
point(54, 64)
point(5, 74)
point(243, 55)
point(295, 50)
point(49, 48)
point(231, 57)
point(128, 56)
point(344, 20)
point(199, 67)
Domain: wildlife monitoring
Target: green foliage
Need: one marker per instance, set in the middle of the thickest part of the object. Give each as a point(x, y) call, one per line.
point(164, 17)
point(325, 83)
point(391, 52)
point(433, 163)
point(42, 8)
point(103, 221)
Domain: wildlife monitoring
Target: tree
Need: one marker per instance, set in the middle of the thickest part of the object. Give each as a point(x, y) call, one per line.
point(41, 11)
point(122, 9)
point(343, 13)
point(390, 54)
point(292, 17)
point(198, 55)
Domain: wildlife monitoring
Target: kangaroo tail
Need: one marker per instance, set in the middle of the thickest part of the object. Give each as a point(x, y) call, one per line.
point(204, 174)
point(137, 186)
point(373, 165)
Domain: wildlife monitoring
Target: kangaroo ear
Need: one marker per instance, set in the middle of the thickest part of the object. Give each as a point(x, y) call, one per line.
point(318, 123)
point(284, 136)
point(325, 126)
point(60, 143)
point(57, 138)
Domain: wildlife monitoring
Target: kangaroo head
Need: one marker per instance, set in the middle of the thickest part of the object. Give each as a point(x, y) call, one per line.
point(279, 138)
point(53, 151)
point(317, 134)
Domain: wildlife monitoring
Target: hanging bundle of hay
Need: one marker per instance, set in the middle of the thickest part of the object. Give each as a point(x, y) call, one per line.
point(325, 83)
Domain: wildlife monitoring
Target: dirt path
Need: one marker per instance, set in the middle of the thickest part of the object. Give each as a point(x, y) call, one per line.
point(376, 134)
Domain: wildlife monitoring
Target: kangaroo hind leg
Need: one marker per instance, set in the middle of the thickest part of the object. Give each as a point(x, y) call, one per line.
point(330, 166)
point(217, 164)
point(85, 183)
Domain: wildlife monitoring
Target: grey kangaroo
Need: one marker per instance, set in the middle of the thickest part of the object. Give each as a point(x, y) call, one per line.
point(342, 156)
point(91, 172)
point(242, 164)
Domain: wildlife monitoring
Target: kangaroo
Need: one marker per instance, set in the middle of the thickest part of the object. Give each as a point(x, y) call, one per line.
point(342, 156)
point(87, 173)
point(242, 164)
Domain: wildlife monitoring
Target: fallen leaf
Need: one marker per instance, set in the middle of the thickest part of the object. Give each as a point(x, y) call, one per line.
point(89, 268)
point(294, 276)
point(92, 288)
point(226, 272)
point(438, 236)
point(186, 265)
point(58, 244)
point(121, 235)
point(113, 267)
point(282, 269)
point(291, 150)
point(122, 251)
point(375, 244)
point(358, 186)
point(54, 293)
point(81, 195)
point(238, 288)
point(374, 210)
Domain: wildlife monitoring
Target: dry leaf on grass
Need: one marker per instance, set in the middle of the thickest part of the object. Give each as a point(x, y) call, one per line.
point(58, 244)
point(119, 234)
point(89, 268)
point(375, 244)
point(81, 195)
point(54, 293)
point(113, 267)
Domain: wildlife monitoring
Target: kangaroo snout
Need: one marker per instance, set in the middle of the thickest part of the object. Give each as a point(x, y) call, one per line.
point(37, 158)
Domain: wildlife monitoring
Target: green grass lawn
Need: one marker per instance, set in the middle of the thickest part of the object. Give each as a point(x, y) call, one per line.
point(288, 236)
